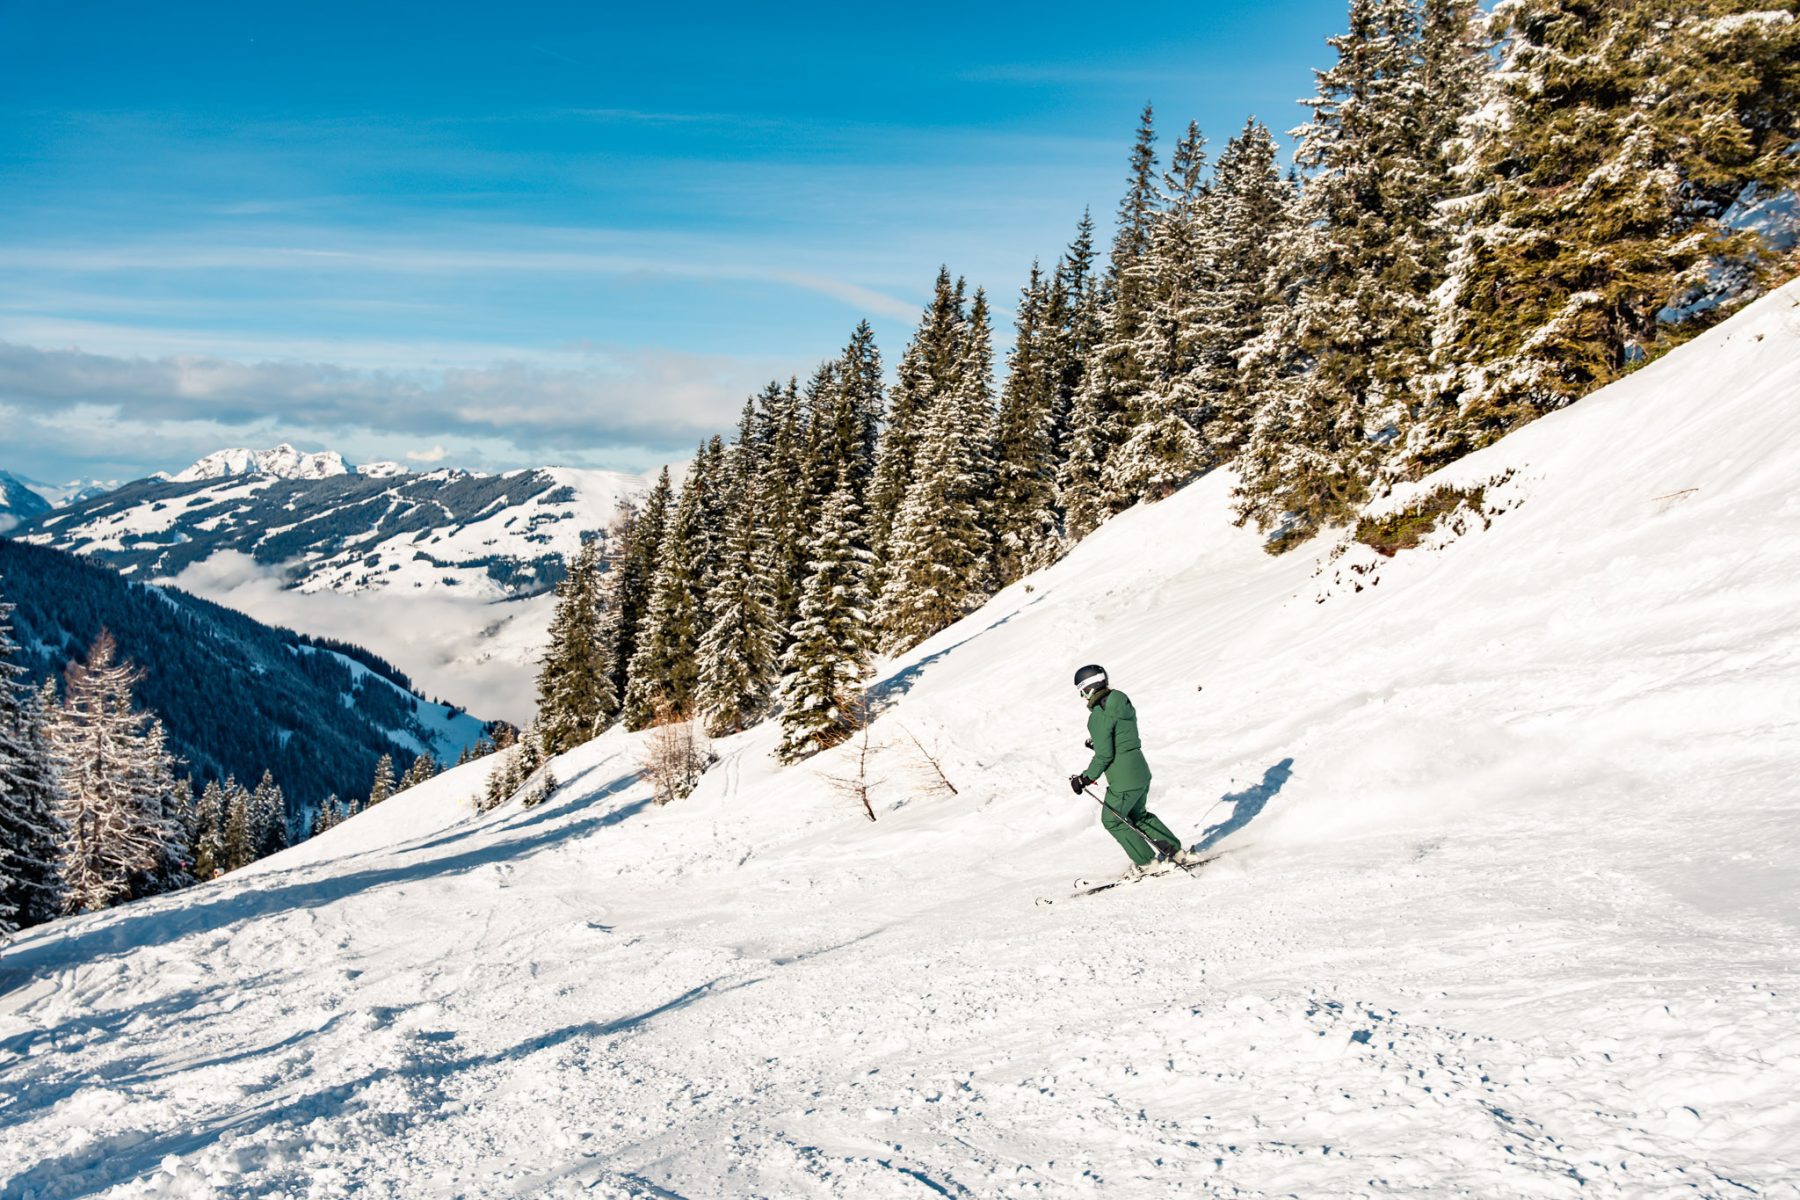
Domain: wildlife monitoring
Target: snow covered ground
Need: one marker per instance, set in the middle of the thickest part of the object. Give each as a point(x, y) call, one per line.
point(1510, 909)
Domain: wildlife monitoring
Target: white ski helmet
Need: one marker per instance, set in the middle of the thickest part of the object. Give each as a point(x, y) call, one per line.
point(1090, 678)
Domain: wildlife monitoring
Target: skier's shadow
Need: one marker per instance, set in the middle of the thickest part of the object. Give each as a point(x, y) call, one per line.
point(883, 694)
point(1246, 804)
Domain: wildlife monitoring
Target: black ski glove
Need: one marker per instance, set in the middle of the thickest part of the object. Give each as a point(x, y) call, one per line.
point(1088, 742)
point(1079, 783)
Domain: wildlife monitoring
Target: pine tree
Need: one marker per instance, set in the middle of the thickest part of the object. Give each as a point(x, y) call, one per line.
point(31, 832)
point(1164, 447)
point(939, 549)
point(782, 501)
point(513, 767)
point(502, 780)
point(12, 752)
point(575, 696)
point(1115, 376)
point(1075, 314)
point(737, 655)
point(861, 402)
point(664, 671)
point(424, 769)
point(99, 736)
point(636, 537)
point(1607, 144)
point(1073, 322)
point(714, 528)
point(1250, 216)
point(1138, 207)
point(237, 843)
point(1024, 517)
point(268, 818)
point(208, 832)
point(746, 460)
point(823, 454)
point(383, 785)
point(329, 816)
point(165, 803)
point(928, 370)
point(1357, 333)
point(828, 663)
point(844, 419)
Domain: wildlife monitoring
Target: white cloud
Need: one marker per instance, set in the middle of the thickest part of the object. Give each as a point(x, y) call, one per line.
point(462, 650)
point(594, 255)
point(651, 399)
point(435, 454)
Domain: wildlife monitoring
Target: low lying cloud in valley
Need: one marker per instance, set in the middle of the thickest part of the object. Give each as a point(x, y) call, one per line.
point(463, 651)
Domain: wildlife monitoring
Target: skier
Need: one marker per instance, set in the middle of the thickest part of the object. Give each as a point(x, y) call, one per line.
point(1119, 755)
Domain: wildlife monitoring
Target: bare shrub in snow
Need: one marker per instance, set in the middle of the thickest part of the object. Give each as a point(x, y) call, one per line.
point(930, 762)
point(675, 755)
point(857, 784)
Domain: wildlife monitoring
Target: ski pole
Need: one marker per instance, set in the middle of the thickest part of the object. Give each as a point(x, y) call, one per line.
point(1089, 793)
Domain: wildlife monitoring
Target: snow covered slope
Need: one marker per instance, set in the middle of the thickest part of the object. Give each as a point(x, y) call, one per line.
point(1509, 910)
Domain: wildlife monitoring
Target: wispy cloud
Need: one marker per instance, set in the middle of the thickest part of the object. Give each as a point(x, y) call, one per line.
point(443, 259)
point(653, 400)
point(641, 116)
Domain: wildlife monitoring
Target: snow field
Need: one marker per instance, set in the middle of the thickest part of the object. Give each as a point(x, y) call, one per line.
point(1510, 910)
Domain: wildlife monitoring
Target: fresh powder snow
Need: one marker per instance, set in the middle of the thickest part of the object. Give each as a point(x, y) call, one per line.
point(1510, 909)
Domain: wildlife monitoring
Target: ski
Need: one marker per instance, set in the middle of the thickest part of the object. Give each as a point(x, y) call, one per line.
point(1085, 887)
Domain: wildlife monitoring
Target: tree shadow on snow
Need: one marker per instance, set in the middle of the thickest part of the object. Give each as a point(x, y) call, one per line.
point(134, 926)
point(1247, 804)
point(885, 692)
point(110, 1161)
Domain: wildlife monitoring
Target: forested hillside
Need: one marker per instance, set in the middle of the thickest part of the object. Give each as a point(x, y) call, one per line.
point(236, 697)
point(1490, 216)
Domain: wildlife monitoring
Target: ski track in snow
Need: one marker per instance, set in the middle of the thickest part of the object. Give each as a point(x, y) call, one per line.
point(1511, 910)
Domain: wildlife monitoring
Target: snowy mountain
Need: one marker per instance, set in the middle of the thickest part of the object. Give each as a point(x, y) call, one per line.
point(238, 697)
point(1507, 909)
point(283, 462)
point(19, 502)
point(23, 499)
point(446, 573)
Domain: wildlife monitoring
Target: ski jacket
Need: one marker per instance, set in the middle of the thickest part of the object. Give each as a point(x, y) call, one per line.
point(1118, 754)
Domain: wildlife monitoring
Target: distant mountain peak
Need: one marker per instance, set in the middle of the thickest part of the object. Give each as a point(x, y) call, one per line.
point(18, 503)
point(283, 462)
point(54, 495)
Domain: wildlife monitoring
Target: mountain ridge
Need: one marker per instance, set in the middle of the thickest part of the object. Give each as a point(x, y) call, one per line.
point(282, 461)
point(446, 573)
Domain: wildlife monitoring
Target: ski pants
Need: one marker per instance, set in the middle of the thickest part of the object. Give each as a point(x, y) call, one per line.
point(1131, 805)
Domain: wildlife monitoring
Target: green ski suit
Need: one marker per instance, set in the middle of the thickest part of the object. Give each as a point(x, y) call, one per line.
point(1119, 755)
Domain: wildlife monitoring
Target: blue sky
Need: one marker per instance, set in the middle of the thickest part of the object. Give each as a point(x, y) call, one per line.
point(501, 235)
